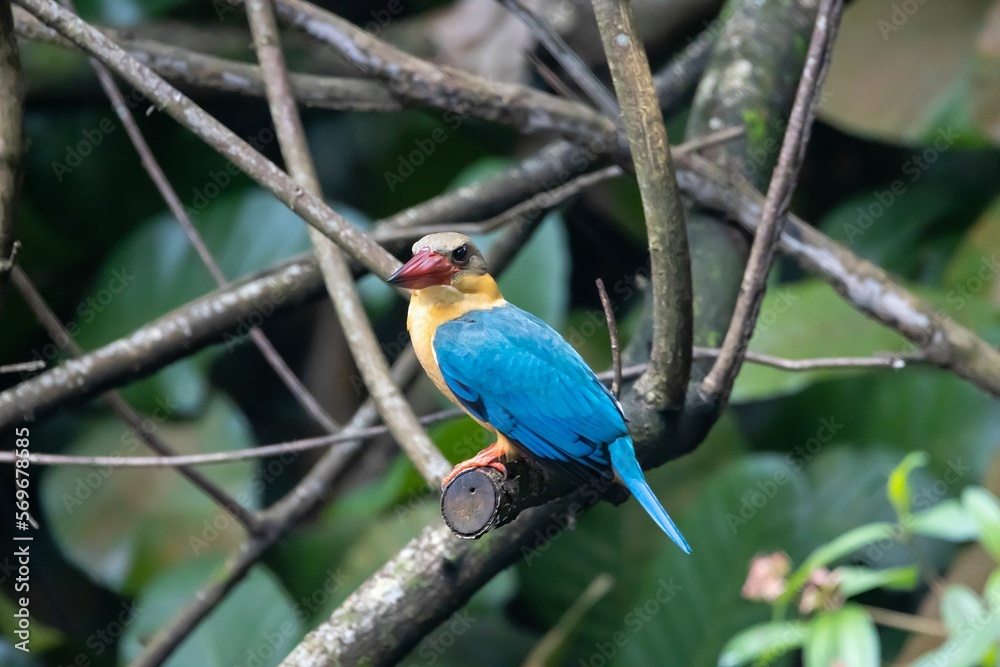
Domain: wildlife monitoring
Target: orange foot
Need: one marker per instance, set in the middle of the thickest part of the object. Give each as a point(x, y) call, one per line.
point(488, 458)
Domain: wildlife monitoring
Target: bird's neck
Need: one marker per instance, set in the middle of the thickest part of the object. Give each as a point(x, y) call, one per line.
point(436, 305)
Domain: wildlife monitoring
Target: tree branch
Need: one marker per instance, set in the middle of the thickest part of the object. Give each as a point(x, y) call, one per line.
point(11, 145)
point(719, 382)
point(396, 412)
point(208, 72)
point(417, 82)
point(665, 383)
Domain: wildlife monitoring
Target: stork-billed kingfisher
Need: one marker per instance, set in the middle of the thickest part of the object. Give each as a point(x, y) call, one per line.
point(514, 374)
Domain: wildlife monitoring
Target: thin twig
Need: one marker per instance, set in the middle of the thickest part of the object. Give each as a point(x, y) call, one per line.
point(920, 625)
point(547, 199)
point(550, 77)
point(665, 383)
point(616, 355)
point(125, 412)
point(364, 346)
point(264, 451)
point(547, 650)
point(537, 204)
point(888, 361)
point(719, 381)
point(169, 195)
point(709, 140)
point(217, 317)
point(278, 519)
point(23, 367)
point(565, 56)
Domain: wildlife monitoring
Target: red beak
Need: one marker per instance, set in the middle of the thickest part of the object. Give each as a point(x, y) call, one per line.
point(425, 269)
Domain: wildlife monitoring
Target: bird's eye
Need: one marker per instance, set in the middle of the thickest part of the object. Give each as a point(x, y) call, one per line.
point(460, 254)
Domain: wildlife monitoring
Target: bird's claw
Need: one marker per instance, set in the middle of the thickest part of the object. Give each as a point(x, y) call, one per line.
point(488, 458)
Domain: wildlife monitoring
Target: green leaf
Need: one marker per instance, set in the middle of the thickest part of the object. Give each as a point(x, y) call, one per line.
point(991, 591)
point(156, 270)
point(857, 580)
point(948, 520)
point(835, 549)
point(765, 642)
point(898, 224)
point(898, 486)
point(960, 607)
point(807, 320)
point(973, 631)
point(122, 525)
point(843, 637)
point(41, 637)
point(984, 509)
point(255, 624)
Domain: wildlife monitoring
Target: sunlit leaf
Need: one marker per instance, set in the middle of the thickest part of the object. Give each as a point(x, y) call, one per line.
point(960, 607)
point(985, 511)
point(764, 642)
point(843, 637)
point(948, 520)
point(972, 630)
point(898, 486)
point(857, 580)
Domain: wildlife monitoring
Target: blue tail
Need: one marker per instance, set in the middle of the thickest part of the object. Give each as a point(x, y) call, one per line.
point(624, 463)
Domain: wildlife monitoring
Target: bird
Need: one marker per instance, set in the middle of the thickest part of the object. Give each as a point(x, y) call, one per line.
point(515, 375)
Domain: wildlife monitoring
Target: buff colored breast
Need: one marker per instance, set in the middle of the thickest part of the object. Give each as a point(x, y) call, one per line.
point(432, 307)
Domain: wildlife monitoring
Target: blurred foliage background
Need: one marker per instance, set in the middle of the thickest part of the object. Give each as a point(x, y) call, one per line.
point(904, 169)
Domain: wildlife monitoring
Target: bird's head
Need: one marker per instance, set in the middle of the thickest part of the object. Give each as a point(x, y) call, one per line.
point(447, 260)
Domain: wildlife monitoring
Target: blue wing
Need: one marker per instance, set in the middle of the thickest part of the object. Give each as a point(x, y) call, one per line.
point(510, 369)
